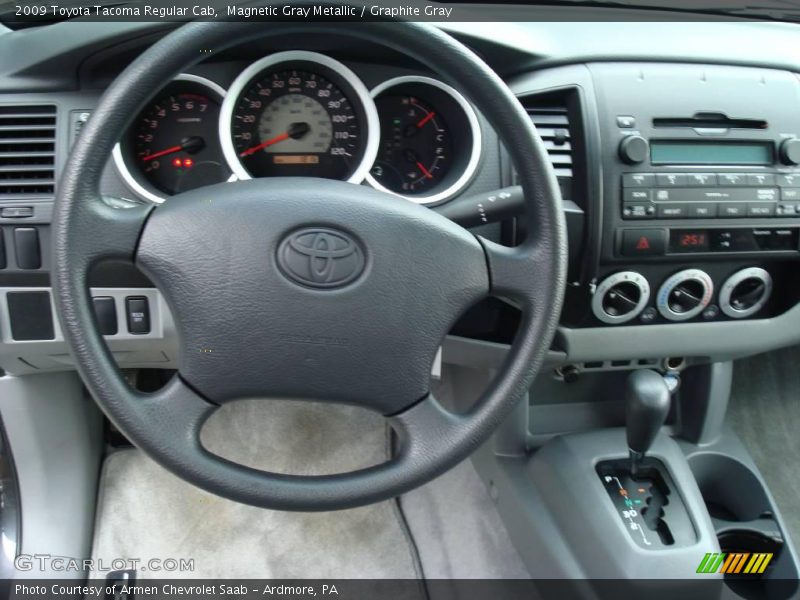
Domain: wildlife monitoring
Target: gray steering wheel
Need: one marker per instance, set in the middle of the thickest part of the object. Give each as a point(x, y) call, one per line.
point(249, 330)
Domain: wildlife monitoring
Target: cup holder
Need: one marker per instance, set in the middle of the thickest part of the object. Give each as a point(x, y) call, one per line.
point(779, 579)
point(744, 521)
point(731, 491)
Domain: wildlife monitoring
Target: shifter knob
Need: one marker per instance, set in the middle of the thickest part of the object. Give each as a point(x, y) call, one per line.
point(647, 400)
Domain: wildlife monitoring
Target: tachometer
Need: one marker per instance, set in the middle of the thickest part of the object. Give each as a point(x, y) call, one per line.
point(299, 114)
point(173, 145)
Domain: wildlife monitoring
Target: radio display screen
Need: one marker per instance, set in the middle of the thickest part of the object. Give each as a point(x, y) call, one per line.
point(673, 152)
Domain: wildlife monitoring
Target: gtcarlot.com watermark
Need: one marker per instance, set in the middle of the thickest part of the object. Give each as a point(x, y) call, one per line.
point(64, 564)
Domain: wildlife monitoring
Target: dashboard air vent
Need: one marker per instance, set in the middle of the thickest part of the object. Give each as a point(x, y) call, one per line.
point(552, 123)
point(27, 151)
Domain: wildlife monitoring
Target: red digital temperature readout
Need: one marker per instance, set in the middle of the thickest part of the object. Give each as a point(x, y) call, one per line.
point(693, 240)
point(689, 240)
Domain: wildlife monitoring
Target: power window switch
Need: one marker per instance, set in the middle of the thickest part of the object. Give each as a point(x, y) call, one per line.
point(106, 313)
point(138, 314)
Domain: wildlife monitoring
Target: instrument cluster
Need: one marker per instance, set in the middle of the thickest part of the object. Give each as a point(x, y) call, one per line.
point(303, 114)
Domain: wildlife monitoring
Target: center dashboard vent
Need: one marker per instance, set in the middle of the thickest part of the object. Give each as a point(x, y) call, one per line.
point(552, 123)
point(556, 116)
point(27, 151)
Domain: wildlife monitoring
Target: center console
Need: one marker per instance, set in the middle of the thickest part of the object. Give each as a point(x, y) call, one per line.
point(701, 194)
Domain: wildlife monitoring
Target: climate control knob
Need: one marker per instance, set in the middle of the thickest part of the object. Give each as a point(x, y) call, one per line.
point(685, 295)
point(745, 292)
point(620, 297)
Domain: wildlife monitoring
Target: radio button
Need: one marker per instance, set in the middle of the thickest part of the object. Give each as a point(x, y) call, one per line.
point(732, 179)
point(761, 209)
point(672, 211)
point(702, 179)
point(638, 180)
point(671, 179)
point(721, 240)
point(732, 209)
point(626, 122)
point(703, 210)
point(764, 194)
point(758, 179)
point(789, 180)
point(638, 211)
point(636, 195)
point(790, 194)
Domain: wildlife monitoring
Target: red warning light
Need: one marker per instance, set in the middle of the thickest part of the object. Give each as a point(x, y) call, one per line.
point(643, 244)
point(177, 163)
point(188, 163)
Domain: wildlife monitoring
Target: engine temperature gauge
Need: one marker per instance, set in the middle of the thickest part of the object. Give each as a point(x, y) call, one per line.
point(430, 140)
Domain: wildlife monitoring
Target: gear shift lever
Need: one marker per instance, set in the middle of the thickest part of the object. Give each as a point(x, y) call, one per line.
point(647, 400)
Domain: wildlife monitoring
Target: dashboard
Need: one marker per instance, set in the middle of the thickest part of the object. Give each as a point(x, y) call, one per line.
point(677, 164)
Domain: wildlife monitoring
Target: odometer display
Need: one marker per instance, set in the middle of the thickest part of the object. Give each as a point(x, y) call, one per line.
point(299, 114)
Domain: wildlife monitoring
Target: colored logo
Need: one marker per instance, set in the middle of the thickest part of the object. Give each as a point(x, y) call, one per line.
point(735, 563)
point(321, 258)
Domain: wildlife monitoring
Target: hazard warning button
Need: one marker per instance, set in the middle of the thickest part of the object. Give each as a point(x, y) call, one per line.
point(644, 242)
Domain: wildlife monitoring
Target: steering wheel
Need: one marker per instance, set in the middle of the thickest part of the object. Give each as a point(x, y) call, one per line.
point(226, 260)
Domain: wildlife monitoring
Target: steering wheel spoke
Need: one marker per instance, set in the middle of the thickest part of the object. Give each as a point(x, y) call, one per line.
point(514, 272)
point(425, 428)
point(115, 225)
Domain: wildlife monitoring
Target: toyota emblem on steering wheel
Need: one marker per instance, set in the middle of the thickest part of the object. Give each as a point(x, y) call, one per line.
point(321, 258)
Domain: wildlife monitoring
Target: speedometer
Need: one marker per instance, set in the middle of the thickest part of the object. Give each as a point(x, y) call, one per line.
point(299, 114)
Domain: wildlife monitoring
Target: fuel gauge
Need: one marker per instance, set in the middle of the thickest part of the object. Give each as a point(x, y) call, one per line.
point(430, 140)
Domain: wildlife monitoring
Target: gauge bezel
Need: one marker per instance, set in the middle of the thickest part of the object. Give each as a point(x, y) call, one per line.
point(454, 188)
point(119, 157)
point(371, 128)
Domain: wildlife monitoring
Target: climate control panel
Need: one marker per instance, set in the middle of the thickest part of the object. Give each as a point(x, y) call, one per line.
point(683, 295)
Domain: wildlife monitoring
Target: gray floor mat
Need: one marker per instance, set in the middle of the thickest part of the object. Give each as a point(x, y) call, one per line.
point(765, 412)
point(146, 512)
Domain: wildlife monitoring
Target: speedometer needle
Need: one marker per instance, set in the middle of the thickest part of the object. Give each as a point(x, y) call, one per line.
point(295, 131)
point(262, 145)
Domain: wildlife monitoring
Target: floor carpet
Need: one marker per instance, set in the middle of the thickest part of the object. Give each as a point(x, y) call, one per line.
point(765, 412)
point(146, 512)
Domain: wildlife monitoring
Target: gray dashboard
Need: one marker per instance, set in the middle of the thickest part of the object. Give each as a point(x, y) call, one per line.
point(69, 64)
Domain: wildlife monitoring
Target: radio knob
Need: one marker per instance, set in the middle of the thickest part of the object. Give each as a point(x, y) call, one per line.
point(633, 149)
point(790, 151)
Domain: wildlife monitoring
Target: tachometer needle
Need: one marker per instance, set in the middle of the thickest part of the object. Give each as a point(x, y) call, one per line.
point(426, 118)
point(191, 144)
point(425, 171)
point(169, 150)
